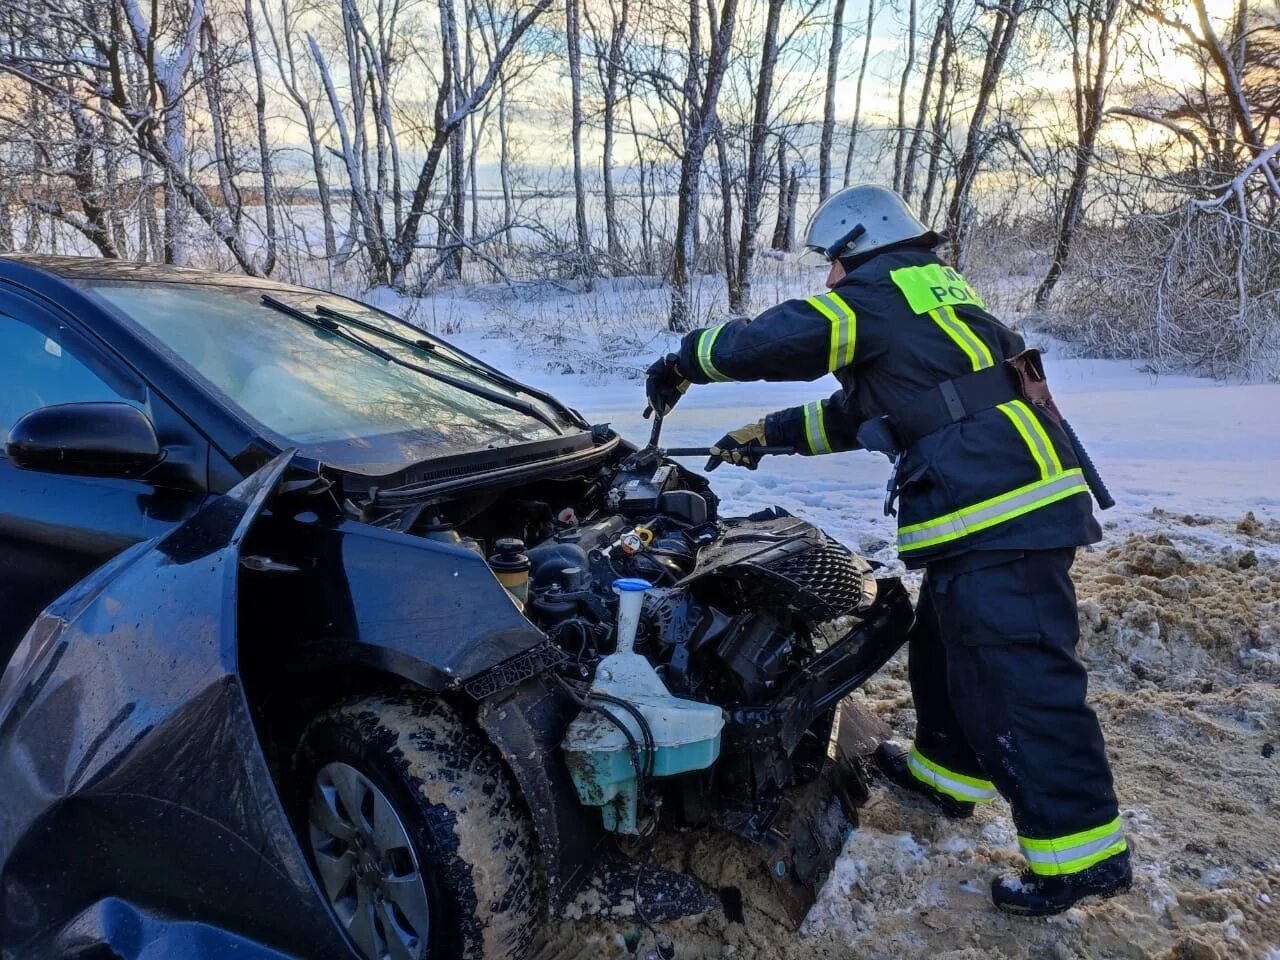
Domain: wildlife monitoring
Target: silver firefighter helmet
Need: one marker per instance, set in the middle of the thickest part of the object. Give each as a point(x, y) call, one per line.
point(858, 220)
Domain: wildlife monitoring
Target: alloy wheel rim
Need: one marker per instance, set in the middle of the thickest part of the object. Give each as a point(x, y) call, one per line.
point(367, 866)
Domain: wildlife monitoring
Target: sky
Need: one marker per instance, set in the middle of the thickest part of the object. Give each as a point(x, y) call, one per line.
point(540, 103)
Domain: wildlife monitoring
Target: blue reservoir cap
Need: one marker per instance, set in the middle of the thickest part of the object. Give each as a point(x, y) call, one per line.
point(631, 585)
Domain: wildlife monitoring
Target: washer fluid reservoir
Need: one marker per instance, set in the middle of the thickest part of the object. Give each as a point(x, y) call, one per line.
point(686, 733)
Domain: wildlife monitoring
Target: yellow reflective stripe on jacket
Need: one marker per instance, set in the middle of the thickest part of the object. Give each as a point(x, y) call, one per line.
point(989, 513)
point(844, 328)
point(1033, 434)
point(1071, 854)
point(706, 341)
point(963, 336)
point(815, 428)
point(956, 785)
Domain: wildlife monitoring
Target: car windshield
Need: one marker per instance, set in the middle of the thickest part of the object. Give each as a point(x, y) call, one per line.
point(319, 388)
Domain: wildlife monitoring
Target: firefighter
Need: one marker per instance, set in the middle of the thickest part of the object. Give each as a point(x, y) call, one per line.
point(991, 503)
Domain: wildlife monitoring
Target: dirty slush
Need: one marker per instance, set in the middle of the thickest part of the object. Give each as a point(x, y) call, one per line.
point(1181, 632)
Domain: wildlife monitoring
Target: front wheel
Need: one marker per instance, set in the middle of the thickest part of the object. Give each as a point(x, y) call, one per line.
point(415, 832)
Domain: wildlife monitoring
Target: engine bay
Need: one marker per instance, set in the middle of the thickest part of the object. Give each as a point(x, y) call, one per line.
point(765, 617)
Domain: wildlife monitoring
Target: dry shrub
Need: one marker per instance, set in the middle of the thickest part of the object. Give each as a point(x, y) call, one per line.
point(1195, 290)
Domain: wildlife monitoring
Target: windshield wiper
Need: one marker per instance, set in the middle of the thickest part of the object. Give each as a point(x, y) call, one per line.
point(330, 325)
point(323, 323)
point(439, 348)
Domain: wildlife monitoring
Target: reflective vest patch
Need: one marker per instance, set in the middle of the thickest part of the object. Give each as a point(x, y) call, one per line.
point(934, 285)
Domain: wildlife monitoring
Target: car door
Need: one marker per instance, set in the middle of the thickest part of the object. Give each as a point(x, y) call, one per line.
point(56, 528)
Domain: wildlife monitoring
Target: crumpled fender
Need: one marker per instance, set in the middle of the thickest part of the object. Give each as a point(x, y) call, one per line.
point(138, 812)
point(429, 612)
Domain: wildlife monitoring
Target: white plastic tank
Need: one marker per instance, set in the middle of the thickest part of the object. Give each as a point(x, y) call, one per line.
point(686, 733)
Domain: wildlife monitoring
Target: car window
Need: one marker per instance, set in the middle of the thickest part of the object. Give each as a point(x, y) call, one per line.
point(305, 384)
point(43, 364)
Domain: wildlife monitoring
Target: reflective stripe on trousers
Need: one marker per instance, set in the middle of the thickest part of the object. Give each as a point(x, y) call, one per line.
point(988, 513)
point(1076, 852)
point(956, 785)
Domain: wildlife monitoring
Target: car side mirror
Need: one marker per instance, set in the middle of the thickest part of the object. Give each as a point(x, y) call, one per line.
point(85, 439)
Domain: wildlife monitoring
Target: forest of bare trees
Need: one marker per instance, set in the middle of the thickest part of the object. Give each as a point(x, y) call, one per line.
point(1128, 150)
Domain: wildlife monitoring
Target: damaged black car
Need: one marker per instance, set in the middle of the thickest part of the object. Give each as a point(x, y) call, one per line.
point(323, 638)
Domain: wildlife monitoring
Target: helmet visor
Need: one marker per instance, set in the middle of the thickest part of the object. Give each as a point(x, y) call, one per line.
point(813, 256)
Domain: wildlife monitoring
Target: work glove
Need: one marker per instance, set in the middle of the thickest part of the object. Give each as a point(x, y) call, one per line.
point(664, 385)
point(738, 447)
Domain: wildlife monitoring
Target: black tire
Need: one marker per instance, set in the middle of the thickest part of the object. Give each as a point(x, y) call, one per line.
point(469, 830)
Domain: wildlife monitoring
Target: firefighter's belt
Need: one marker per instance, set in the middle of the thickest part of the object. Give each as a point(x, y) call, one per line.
point(952, 401)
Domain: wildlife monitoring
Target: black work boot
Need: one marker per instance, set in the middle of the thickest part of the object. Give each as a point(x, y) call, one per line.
point(1032, 895)
point(891, 760)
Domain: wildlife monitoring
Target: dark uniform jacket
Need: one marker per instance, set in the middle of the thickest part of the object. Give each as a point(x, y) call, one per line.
point(1003, 478)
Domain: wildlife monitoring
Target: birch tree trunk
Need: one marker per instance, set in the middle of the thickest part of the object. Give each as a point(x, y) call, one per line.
point(1007, 19)
point(938, 133)
point(726, 211)
point(780, 228)
point(829, 101)
point(857, 96)
point(900, 139)
point(218, 111)
point(922, 111)
point(286, 64)
point(573, 41)
point(457, 227)
point(646, 229)
point(264, 150)
point(504, 164)
point(701, 97)
point(753, 189)
point(617, 34)
point(170, 76)
point(1092, 25)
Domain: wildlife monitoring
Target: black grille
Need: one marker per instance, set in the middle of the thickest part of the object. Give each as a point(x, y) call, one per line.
point(826, 578)
point(786, 562)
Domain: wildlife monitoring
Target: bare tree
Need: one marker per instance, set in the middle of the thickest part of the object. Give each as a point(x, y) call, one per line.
point(788, 200)
point(132, 69)
point(264, 150)
point(700, 95)
point(940, 32)
point(608, 59)
point(829, 100)
point(390, 251)
point(1090, 26)
point(740, 279)
point(857, 96)
point(281, 21)
point(900, 138)
point(998, 43)
point(941, 109)
point(573, 41)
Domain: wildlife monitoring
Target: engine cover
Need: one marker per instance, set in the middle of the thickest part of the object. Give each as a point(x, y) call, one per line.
point(785, 561)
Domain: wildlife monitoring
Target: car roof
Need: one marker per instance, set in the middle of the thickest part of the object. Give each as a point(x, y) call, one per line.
point(100, 268)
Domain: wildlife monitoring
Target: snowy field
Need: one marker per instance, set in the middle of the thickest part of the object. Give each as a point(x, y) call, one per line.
point(1180, 608)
